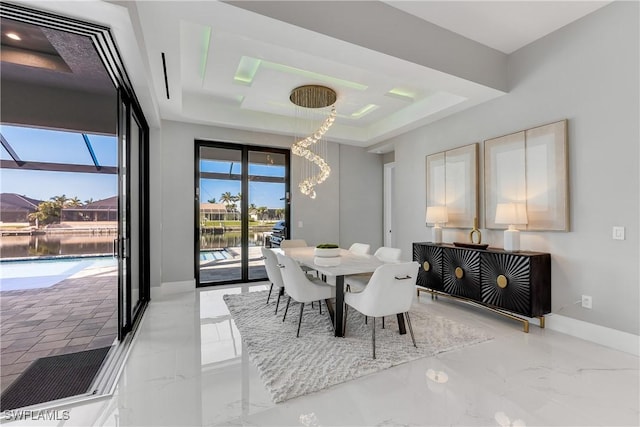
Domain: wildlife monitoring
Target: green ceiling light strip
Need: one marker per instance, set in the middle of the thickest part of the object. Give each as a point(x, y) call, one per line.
point(206, 42)
point(364, 111)
point(403, 94)
point(247, 69)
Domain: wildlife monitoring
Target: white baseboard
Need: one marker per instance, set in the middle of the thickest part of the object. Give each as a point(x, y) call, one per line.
point(602, 335)
point(168, 288)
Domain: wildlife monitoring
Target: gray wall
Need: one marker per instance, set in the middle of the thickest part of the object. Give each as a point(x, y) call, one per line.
point(360, 197)
point(586, 72)
point(322, 218)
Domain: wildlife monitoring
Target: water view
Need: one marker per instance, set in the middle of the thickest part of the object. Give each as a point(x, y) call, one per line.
point(55, 245)
point(82, 244)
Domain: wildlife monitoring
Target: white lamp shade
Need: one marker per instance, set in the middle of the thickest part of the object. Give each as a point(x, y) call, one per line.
point(511, 213)
point(437, 214)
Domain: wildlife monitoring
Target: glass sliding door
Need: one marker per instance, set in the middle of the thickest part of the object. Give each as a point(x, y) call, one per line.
point(136, 207)
point(267, 202)
point(121, 251)
point(128, 247)
point(219, 219)
point(240, 194)
point(97, 270)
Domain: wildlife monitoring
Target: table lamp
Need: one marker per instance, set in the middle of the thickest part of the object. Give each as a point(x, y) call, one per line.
point(511, 214)
point(437, 215)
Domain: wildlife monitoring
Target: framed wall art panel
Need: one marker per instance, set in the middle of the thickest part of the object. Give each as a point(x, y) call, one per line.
point(452, 182)
point(529, 167)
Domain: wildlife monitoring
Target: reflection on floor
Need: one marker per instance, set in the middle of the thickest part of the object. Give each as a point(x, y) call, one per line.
point(79, 313)
point(187, 367)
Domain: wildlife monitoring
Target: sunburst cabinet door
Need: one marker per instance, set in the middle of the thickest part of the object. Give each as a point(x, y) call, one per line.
point(517, 283)
point(430, 259)
point(461, 273)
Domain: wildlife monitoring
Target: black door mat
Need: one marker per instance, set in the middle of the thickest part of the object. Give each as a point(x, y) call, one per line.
point(54, 377)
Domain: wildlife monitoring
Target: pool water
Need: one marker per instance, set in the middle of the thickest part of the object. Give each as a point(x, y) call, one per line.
point(34, 274)
point(214, 255)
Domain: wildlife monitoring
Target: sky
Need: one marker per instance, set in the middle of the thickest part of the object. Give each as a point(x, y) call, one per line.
point(260, 193)
point(40, 145)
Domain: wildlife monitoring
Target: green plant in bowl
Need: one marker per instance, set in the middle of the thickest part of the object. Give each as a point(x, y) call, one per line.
point(327, 246)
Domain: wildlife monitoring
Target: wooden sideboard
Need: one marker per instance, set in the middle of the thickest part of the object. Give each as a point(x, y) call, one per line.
point(508, 283)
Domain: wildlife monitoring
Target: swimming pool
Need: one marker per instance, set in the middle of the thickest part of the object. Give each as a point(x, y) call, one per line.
point(33, 274)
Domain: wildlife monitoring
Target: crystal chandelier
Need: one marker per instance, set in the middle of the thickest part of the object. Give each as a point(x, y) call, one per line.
point(312, 109)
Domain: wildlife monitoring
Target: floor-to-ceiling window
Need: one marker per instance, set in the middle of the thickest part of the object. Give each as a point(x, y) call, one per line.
point(242, 193)
point(64, 77)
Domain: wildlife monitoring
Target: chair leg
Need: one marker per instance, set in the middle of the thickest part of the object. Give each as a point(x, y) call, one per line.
point(269, 296)
point(344, 320)
point(286, 309)
point(300, 319)
point(410, 329)
point(278, 300)
point(312, 304)
point(320, 306)
point(382, 322)
point(373, 337)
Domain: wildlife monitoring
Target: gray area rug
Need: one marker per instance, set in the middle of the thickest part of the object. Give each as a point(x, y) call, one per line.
point(292, 367)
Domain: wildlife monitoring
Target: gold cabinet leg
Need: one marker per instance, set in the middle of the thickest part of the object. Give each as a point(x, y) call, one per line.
point(525, 326)
point(541, 322)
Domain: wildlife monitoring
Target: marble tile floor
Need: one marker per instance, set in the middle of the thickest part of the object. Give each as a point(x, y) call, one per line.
point(79, 313)
point(187, 368)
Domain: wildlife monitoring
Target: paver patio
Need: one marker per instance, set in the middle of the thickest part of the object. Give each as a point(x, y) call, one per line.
point(79, 313)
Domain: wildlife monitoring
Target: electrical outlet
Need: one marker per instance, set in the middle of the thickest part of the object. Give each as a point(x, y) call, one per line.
point(300, 225)
point(587, 301)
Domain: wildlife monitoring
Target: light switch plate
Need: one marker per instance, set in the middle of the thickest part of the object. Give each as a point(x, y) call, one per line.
point(618, 233)
point(299, 224)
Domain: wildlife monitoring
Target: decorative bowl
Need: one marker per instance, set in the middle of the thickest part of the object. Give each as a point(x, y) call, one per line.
point(326, 252)
point(471, 245)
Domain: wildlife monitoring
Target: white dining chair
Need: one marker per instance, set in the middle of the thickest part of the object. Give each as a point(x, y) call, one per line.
point(302, 288)
point(390, 291)
point(357, 282)
point(273, 273)
point(360, 249)
point(388, 254)
point(297, 243)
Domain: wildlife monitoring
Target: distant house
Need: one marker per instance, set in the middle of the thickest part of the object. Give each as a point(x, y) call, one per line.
point(101, 210)
point(212, 211)
point(16, 208)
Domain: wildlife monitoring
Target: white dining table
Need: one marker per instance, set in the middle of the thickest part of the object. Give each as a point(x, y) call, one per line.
point(350, 263)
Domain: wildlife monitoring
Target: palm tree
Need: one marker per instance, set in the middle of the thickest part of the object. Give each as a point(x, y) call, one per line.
point(212, 200)
point(261, 211)
point(60, 200)
point(73, 203)
point(233, 209)
point(226, 198)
